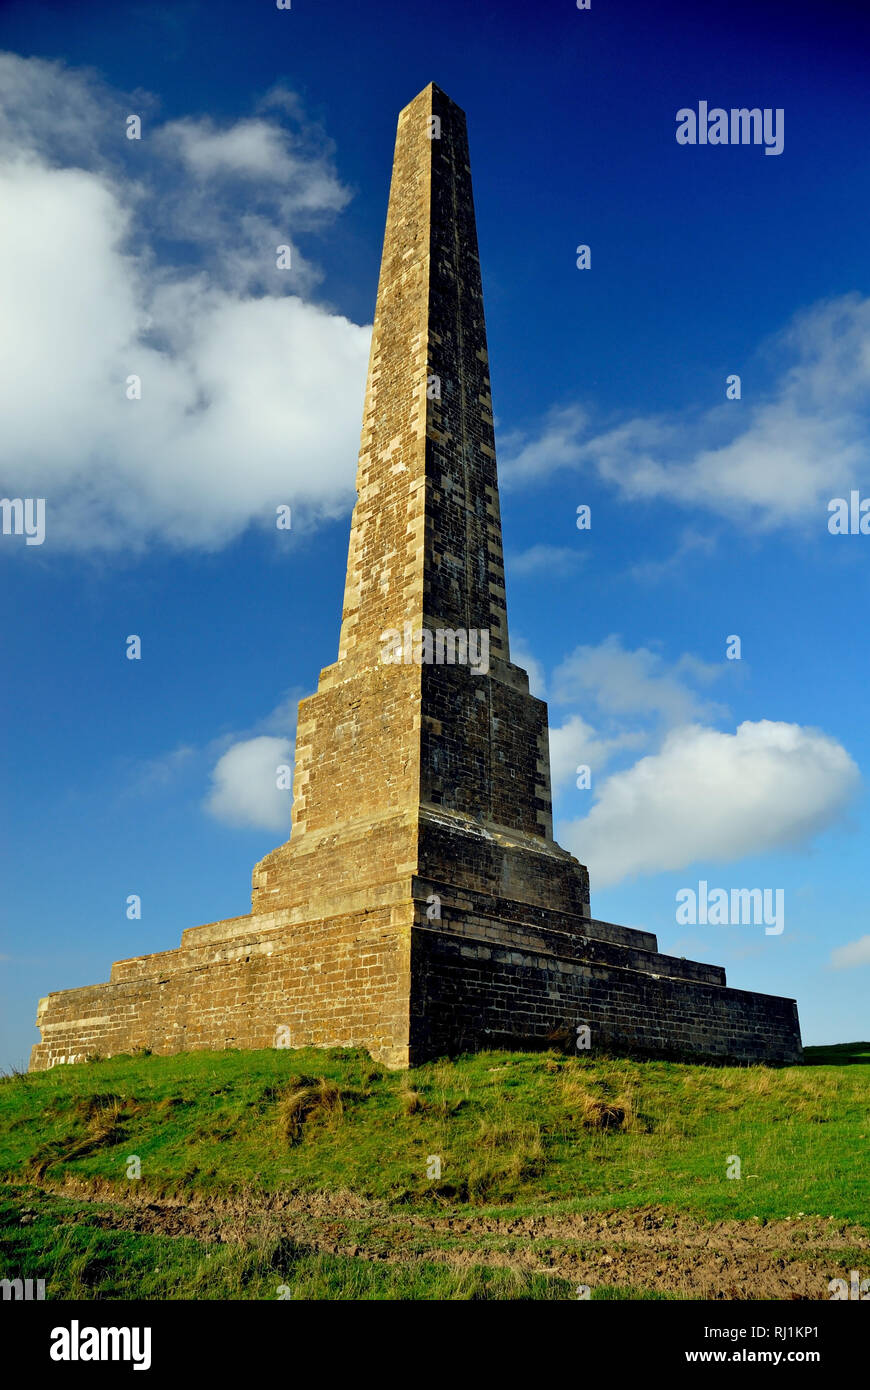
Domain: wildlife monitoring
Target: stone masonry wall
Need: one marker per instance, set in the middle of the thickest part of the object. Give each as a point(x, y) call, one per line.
point(470, 995)
point(476, 980)
point(341, 982)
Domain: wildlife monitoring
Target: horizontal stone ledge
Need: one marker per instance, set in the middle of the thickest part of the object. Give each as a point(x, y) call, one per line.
point(82, 1024)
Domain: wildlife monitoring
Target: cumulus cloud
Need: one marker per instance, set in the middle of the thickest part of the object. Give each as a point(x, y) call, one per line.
point(714, 797)
point(855, 953)
point(577, 743)
point(244, 788)
point(697, 794)
point(251, 394)
point(233, 776)
point(631, 696)
point(773, 461)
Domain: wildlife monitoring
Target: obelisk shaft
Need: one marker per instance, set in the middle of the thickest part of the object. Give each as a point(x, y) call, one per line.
point(425, 543)
point(381, 741)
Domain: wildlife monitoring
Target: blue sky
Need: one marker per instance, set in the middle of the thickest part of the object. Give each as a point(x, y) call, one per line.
point(709, 517)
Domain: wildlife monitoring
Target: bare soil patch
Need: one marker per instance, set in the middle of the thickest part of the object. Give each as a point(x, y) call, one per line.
point(651, 1249)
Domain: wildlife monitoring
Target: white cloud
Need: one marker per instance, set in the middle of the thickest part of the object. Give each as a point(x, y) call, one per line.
point(715, 797)
point(640, 682)
point(702, 794)
point(257, 151)
point(691, 542)
point(855, 953)
point(251, 396)
point(238, 768)
point(575, 742)
point(522, 656)
point(282, 719)
point(244, 790)
point(523, 458)
point(544, 559)
point(253, 149)
point(155, 773)
point(772, 460)
point(64, 115)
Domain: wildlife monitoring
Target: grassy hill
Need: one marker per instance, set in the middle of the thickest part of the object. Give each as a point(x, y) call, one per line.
point(318, 1174)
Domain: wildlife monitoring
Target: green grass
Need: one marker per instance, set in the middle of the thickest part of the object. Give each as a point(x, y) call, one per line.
point(79, 1261)
point(517, 1134)
point(838, 1054)
point(508, 1128)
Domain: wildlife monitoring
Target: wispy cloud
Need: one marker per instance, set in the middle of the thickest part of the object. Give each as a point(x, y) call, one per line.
point(522, 655)
point(557, 560)
point(691, 543)
point(618, 681)
point(854, 954)
point(772, 459)
point(557, 444)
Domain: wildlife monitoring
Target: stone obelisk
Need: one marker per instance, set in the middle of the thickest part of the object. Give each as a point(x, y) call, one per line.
point(400, 765)
point(421, 905)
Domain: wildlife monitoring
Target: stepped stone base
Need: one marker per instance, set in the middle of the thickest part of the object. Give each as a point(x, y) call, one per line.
point(491, 972)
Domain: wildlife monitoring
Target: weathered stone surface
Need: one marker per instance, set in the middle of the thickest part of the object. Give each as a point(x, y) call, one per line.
point(421, 905)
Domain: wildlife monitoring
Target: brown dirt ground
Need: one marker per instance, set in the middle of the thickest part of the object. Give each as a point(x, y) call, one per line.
point(651, 1249)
